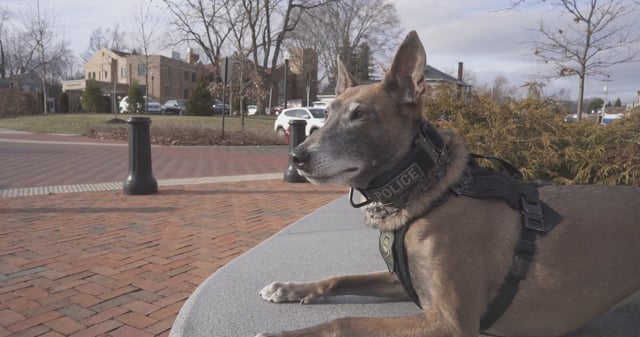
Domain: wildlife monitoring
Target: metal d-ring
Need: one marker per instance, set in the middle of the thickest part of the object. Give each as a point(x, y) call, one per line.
point(353, 204)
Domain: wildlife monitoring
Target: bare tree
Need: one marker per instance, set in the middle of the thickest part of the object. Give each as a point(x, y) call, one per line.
point(19, 54)
point(501, 91)
point(208, 23)
point(112, 38)
point(4, 19)
point(146, 38)
point(534, 89)
point(239, 27)
point(600, 34)
point(271, 22)
point(44, 39)
point(259, 16)
point(205, 23)
point(342, 27)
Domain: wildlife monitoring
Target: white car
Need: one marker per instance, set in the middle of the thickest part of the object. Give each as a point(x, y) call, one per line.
point(314, 116)
point(608, 118)
point(154, 107)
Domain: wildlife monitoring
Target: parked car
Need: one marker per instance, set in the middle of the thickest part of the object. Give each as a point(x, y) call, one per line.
point(321, 104)
point(570, 118)
point(608, 118)
point(175, 106)
point(315, 118)
point(217, 107)
point(277, 109)
point(154, 107)
point(252, 110)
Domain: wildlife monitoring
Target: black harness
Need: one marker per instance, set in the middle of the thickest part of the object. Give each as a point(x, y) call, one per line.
point(426, 163)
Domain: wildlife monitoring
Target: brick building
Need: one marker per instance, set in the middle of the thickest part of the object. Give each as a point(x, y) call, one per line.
point(167, 77)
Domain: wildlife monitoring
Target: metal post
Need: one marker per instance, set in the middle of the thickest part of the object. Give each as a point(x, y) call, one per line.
point(286, 74)
point(224, 103)
point(296, 136)
point(604, 106)
point(140, 180)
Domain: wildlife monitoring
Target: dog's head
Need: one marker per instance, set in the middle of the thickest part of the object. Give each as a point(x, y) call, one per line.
point(370, 127)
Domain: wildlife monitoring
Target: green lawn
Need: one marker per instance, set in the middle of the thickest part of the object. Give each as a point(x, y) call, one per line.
point(81, 123)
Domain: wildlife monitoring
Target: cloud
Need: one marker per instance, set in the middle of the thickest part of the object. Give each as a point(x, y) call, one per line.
point(493, 42)
point(489, 41)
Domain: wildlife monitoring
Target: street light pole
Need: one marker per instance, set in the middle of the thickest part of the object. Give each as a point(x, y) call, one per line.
point(308, 76)
point(114, 78)
point(604, 104)
point(286, 74)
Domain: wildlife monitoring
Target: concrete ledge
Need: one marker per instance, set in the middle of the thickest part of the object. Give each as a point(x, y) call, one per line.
point(333, 240)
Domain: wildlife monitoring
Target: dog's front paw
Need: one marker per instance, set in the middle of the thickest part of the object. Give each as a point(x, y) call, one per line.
point(278, 292)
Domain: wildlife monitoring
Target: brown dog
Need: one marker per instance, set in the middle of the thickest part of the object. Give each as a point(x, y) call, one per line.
point(459, 251)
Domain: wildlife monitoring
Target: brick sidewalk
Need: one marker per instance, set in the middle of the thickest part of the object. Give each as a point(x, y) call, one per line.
point(108, 264)
point(51, 160)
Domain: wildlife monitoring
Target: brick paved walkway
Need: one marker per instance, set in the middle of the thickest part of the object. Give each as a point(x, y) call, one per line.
point(108, 264)
point(28, 160)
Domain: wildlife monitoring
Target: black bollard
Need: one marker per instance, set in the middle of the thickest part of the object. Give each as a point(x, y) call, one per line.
point(140, 180)
point(296, 136)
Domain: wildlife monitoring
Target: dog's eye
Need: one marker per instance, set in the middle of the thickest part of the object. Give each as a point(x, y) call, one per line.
point(357, 114)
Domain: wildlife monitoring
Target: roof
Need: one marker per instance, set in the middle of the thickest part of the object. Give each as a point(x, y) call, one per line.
point(431, 75)
point(120, 53)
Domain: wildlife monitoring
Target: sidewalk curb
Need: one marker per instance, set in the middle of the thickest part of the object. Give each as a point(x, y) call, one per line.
point(45, 190)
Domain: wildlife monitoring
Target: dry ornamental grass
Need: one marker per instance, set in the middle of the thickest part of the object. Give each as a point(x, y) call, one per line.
point(532, 135)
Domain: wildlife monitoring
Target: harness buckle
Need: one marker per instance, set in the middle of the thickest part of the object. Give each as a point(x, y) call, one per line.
point(532, 209)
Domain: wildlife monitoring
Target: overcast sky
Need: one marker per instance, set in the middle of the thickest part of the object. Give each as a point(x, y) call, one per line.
point(490, 42)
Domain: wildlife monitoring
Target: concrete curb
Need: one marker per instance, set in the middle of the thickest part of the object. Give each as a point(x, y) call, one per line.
point(114, 186)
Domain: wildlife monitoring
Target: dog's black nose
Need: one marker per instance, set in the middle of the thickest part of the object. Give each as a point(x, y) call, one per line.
point(299, 157)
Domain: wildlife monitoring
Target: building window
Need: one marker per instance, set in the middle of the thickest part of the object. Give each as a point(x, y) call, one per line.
point(166, 71)
point(142, 69)
point(194, 78)
point(123, 72)
point(93, 75)
point(106, 75)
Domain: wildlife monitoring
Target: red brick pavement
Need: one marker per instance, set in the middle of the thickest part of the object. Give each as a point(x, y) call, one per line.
point(66, 160)
point(108, 264)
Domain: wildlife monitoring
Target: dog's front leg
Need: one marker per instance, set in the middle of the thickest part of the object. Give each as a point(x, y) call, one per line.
point(412, 326)
point(381, 284)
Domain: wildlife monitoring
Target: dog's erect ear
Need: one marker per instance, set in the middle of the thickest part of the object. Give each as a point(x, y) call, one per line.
point(405, 78)
point(345, 79)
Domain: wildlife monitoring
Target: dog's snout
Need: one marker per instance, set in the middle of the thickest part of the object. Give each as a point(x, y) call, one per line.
point(300, 156)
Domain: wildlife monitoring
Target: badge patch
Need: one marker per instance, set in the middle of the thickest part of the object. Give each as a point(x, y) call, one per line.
point(386, 248)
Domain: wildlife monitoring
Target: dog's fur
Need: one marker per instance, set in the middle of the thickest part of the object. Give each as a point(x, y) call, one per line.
point(460, 252)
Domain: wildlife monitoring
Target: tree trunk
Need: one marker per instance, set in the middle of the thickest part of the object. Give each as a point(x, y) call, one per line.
point(3, 71)
point(580, 96)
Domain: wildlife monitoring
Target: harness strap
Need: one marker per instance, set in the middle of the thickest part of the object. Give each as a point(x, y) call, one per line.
point(537, 218)
point(393, 251)
point(525, 250)
point(480, 182)
point(402, 267)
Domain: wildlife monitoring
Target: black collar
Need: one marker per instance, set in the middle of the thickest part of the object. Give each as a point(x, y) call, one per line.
point(424, 164)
